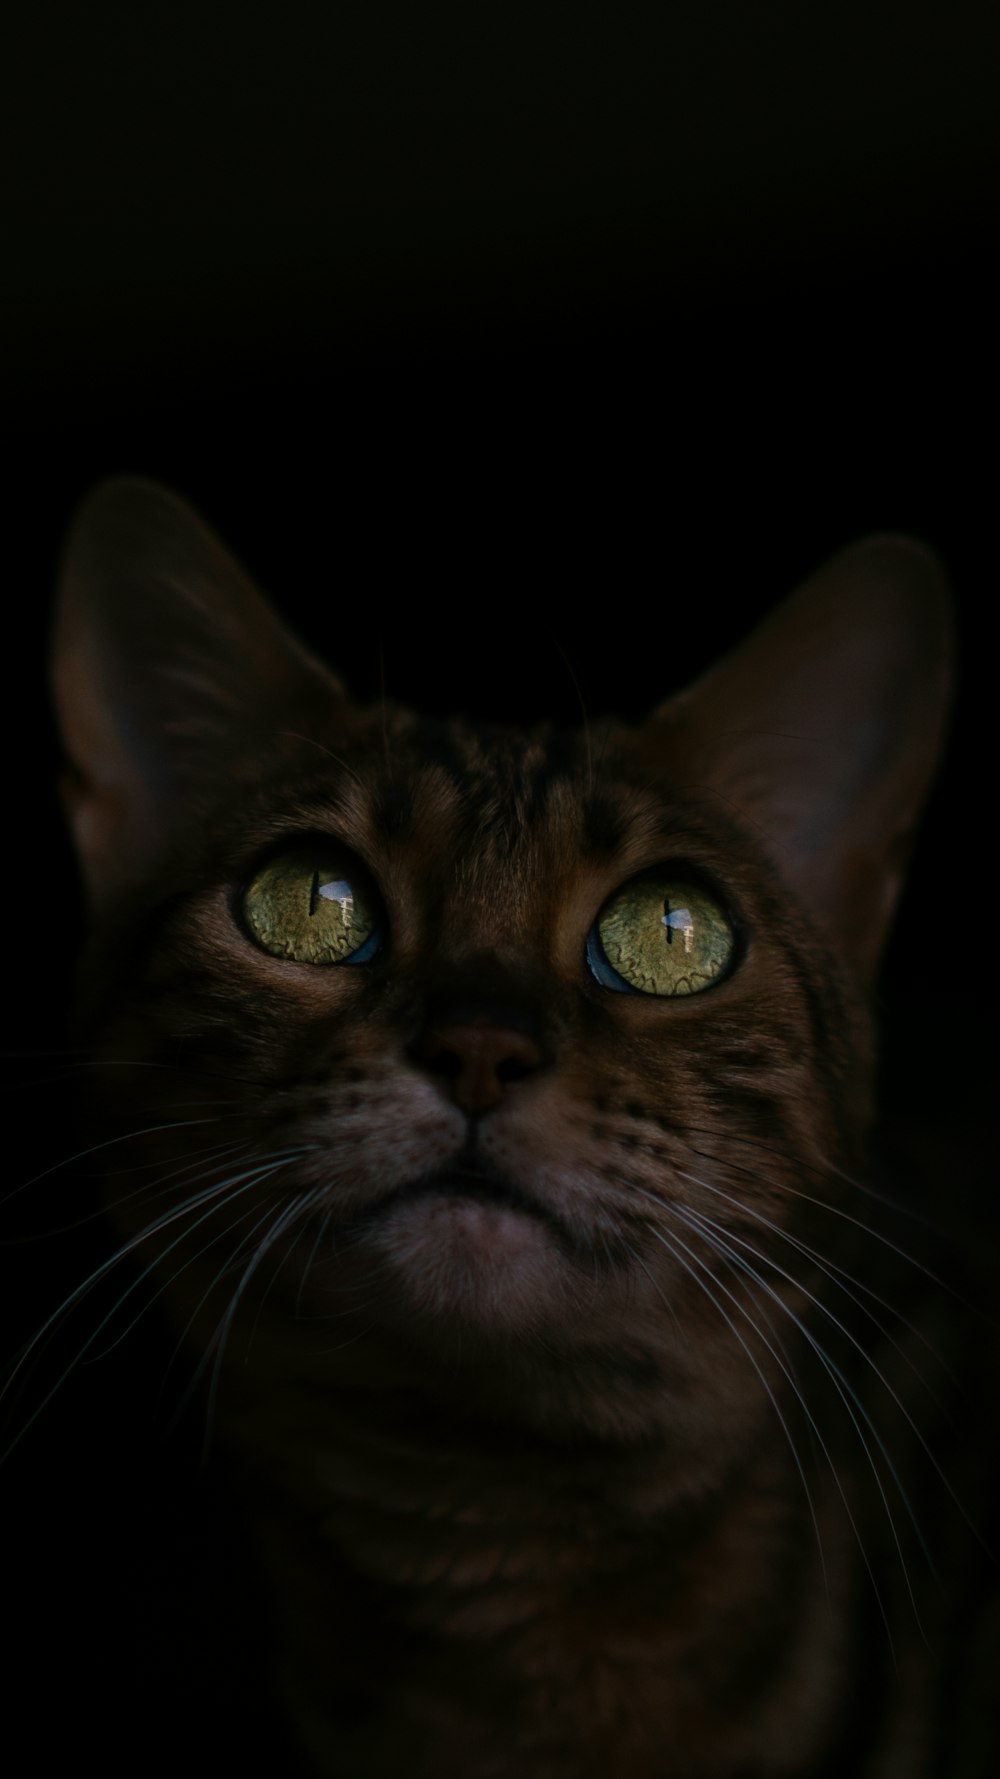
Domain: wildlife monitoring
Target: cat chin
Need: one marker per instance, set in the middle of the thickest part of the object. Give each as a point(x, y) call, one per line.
point(482, 1264)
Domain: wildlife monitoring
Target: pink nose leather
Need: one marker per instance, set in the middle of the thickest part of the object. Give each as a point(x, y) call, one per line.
point(476, 1061)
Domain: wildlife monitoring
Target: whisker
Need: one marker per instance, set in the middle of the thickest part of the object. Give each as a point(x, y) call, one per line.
point(280, 1225)
point(154, 1190)
point(672, 1246)
point(681, 1331)
point(836, 1274)
point(825, 1205)
point(731, 1237)
point(243, 1183)
point(308, 1199)
point(109, 1143)
point(165, 1284)
point(670, 1209)
point(227, 1265)
point(845, 1391)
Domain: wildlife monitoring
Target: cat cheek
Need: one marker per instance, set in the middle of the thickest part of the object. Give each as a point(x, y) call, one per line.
point(539, 1135)
point(392, 1134)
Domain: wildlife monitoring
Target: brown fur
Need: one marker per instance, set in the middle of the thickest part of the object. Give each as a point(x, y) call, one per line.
point(601, 1473)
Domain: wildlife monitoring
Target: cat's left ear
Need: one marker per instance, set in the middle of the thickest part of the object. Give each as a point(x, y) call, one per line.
point(172, 676)
point(824, 730)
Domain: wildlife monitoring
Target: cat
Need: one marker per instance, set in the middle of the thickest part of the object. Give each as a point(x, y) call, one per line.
point(507, 1105)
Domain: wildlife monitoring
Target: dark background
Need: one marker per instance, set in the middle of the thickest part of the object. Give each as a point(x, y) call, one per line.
point(457, 324)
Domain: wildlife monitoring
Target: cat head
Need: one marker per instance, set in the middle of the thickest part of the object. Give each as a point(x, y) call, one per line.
point(821, 733)
point(519, 1026)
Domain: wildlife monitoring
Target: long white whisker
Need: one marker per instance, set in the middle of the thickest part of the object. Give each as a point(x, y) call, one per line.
point(244, 1183)
point(838, 1211)
point(731, 1237)
point(231, 1260)
point(278, 1227)
point(835, 1273)
point(844, 1390)
point(185, 1264)
point(109, 1143)
point(672, 1246)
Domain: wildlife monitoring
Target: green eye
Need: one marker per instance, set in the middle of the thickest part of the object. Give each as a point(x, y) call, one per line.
point(311, 905)
point(660, 936)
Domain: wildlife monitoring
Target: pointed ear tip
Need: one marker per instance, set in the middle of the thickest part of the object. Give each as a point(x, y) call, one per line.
point(121, 517)
point(122, 498)
point(901, 561)
point(905, 581)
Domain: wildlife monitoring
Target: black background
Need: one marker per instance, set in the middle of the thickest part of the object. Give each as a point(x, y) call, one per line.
point(499, 344)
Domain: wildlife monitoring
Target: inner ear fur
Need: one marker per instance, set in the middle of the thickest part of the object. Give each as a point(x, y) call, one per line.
point(169, 667)
point(823, 731)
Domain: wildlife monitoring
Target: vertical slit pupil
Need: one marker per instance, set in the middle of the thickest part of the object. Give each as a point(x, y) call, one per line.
point(666, 921)
point(314, 892)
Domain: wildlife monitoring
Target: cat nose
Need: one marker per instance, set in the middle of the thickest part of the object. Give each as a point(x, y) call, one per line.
point(476, 1060)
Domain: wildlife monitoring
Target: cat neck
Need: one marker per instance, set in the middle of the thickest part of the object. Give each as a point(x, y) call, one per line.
point(493, 1581)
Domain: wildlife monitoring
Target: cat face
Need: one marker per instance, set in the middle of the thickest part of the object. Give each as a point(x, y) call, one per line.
point(522, 1069)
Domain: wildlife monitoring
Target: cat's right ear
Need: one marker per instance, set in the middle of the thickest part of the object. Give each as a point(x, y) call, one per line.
point(824, 729)
point(169, 669)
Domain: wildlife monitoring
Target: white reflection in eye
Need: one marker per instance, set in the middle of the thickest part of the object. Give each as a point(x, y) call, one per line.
point(338, 890)
point(678, 920)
